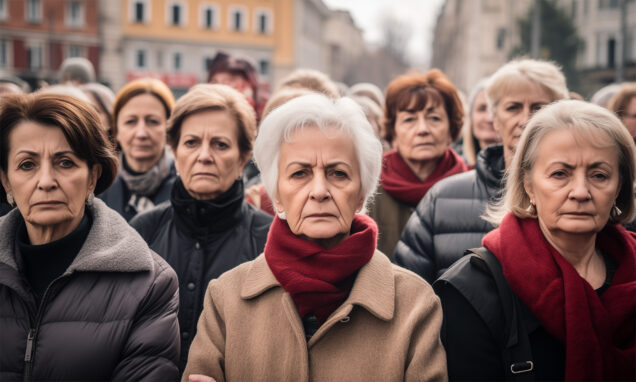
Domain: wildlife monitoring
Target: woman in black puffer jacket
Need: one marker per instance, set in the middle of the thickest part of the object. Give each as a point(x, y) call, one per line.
point(206, 228)
point(82, 297)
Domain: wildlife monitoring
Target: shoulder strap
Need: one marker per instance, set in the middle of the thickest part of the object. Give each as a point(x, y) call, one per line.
point(517, 353)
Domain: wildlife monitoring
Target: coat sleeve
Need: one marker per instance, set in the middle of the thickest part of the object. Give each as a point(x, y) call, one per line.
point(427, 358)
point(207, 352)
point(151, 351)
point(415, 250)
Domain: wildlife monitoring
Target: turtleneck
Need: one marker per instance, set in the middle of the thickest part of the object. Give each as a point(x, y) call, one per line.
point(127, 167)
point(201, 218)
point(46, 262)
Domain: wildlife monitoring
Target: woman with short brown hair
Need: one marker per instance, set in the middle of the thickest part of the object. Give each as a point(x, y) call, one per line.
point(82, 297)
point(146, 174)
point(423, 116)
point(206, 227)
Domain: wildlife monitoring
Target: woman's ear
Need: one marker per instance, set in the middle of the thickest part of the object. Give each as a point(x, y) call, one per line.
point(5, 182)
point(94, 174)
point(527, 185)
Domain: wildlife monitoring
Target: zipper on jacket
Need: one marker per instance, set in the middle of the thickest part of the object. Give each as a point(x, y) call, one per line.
point(33, 335)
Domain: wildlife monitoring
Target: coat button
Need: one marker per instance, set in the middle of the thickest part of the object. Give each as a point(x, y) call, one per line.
point(344, 320)
point(191, 286)
point(185, 335)
point(197, 245)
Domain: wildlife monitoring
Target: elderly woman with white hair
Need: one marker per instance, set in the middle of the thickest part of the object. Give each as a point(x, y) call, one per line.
point(551, 295)
point(321, 300)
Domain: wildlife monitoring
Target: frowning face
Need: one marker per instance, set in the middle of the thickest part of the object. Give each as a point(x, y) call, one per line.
point(319, 187)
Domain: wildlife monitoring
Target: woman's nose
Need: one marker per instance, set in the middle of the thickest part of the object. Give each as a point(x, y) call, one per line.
point(580, 189)
point(205, 154)
point(141, 131)
point(47, 180)
point(422, 127)
point(319, 190)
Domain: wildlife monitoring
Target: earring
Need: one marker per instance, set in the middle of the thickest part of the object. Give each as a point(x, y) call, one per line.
point(89, 199)
point(282, 215)
point(10, 199)
point(617, 211)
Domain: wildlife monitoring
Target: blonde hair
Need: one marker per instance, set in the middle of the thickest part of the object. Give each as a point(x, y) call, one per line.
point(313, 80)
point(283, 95)
point(518, 73)
point(206, 97)
point(585, 120)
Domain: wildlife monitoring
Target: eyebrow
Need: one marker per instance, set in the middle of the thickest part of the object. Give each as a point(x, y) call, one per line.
point(593, 165)
point(329, 165)
point(57, 154)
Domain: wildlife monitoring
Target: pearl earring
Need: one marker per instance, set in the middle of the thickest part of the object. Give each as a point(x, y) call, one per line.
point(10, 199)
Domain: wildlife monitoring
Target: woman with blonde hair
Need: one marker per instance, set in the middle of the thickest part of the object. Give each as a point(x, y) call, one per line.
point(551, 293)
point(147, 172)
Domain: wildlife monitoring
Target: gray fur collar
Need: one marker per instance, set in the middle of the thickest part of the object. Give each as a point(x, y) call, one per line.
point(111, 245)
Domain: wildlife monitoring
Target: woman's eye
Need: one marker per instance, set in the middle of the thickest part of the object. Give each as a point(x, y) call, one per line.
point(339, 174)
point(66, 163)
point(189, 143)
point(130, 122)
point(153, 122)
point(512, 107)
point(558, 174)
point(434, 118)
point(221, 145)
point(600, 176)
point(298, 174)
point(27, 165)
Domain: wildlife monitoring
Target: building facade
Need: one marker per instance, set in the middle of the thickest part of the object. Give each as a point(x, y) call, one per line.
point(37, 35)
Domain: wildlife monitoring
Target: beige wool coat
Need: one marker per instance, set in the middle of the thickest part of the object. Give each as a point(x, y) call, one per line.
point(386, 330)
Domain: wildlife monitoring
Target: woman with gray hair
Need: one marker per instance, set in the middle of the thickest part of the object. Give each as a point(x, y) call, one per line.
point(558, 275)
point(321, 299)
point(448, 220)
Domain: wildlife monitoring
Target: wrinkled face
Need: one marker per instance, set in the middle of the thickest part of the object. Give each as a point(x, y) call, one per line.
point(319, 186)
point(208, 157)
point(141, 129)
point(629, 118)
point(422, 135)
point(481, 118)
point(573, 183)
point(513, 112)
point(49, 182)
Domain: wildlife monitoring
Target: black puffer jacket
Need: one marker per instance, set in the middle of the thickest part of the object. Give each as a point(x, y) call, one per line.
point(201, 240)
point(447, 220)
point(112, 315)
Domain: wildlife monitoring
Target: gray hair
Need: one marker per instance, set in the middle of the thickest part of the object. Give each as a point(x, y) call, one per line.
point(583, 119)
point(517, 72)
point(77, 69)
point(317, 110)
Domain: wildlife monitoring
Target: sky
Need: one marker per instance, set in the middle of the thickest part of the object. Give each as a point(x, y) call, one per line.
point(419, 14)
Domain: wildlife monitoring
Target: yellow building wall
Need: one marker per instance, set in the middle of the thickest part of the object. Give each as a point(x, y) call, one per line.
point(281, 38)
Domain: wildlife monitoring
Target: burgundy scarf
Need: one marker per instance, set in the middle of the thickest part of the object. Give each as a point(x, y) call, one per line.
point(597, 331)
point(319, 279)
point(401, 183)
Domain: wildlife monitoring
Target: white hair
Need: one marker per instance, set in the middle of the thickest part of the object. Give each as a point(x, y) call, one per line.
point(317, 110)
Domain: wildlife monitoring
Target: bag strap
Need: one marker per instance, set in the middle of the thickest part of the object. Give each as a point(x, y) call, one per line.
point(516, 350)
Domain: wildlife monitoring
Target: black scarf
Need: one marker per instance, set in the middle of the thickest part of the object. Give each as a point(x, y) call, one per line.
point(201, 218)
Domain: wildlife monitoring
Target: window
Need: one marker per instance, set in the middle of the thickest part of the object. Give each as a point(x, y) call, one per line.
point(237, 19)
point(34, 57)
point(501, 38)
point(207, 62)
point(611, 53)
point(4, 54)
point(74, 13)
point(139, 11)
point(176, 13)
point(263, 66)
point(34, 11)
point(263, 21)
point(4, 9)
point(159, 59)
point(209, 16)
point(177, 61)
point(74, 51)
point(141, 59)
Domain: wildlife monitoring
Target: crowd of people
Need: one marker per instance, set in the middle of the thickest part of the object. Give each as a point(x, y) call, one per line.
point(321, 232)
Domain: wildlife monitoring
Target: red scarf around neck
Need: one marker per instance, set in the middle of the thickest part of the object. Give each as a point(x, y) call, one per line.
point(319, 279)
point(401, 183)
point(597, 331)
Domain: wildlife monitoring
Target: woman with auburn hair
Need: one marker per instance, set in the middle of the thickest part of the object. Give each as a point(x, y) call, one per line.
point(206, 227)
point(551, 295)
point(423, 116)
point(449, 218)
point(147, 172)
point(82, 297)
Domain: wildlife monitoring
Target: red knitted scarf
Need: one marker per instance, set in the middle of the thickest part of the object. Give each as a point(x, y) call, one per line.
point(597, 331)
point(319, 279)
point(400, 182)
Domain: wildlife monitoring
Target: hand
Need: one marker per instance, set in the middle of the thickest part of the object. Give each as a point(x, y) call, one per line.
point(200, 378)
